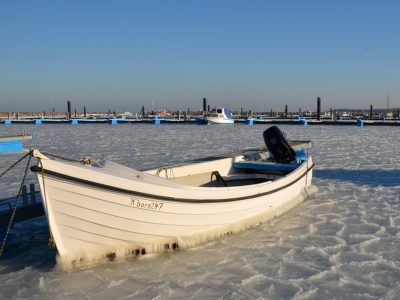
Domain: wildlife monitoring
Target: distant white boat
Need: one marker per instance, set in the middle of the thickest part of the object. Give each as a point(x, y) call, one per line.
point(113, 210)
point(220, 116)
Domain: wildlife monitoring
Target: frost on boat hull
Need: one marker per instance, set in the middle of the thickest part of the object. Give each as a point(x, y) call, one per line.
point(113, 211)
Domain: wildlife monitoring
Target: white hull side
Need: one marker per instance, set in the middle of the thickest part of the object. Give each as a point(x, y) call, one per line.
point(212, 120)
point(83, 216)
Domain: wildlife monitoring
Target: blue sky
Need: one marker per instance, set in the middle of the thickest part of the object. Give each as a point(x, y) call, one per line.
point(259, 55)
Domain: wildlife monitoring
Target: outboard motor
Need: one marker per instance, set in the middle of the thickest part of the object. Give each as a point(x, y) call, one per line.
point(278, 145)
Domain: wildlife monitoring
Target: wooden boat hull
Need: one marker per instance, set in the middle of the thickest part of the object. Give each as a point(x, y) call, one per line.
point(89, 209)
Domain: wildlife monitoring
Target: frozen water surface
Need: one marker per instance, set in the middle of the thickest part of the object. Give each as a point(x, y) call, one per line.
point(343, 242)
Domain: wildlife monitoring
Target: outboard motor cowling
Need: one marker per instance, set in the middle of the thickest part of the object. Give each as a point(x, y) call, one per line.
point(278, 145)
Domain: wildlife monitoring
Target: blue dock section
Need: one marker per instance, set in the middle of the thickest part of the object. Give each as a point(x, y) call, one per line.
point(10, 144)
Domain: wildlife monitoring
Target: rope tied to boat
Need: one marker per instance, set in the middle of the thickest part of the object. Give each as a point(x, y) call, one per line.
point(166, 172)
point(29, 154)
point(85, 160)
point(16, 163)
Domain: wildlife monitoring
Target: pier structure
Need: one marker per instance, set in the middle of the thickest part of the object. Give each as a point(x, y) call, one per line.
point(257, 120)
point(332, 117)
point(30, 206)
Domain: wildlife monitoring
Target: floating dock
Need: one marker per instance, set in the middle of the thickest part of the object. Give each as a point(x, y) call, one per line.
point(13, 143)
point(200, 121)
point(29, 206)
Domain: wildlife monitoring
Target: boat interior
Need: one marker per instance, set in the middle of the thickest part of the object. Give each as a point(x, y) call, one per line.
point(244, 169)
point(214, 179)
point(247, 167)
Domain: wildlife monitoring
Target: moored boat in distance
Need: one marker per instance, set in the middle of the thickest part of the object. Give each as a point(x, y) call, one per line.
point(220, 116)
point(107, 210)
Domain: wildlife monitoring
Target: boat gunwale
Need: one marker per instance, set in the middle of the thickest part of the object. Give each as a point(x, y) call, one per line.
point(43, 171)
point(233, 154)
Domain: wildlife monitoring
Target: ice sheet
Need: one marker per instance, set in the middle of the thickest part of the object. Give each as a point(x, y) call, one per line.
point(342, 242)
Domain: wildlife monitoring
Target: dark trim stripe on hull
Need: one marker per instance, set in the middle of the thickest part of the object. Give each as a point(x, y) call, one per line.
point(39, 170)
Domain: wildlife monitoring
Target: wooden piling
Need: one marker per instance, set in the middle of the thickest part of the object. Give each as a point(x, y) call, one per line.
point(24, 197)
point(370, 112)
point(69, 109)
point(318, 108)
point(33, 193)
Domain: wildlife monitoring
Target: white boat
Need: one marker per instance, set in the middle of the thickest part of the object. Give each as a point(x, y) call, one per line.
point(220, 116)
point(113, 210)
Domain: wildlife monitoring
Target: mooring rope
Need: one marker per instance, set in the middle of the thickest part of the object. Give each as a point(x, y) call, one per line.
point(14, 164)
point(62, 157)
point(86, 160)
point(159, 171)
point(16, 202)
